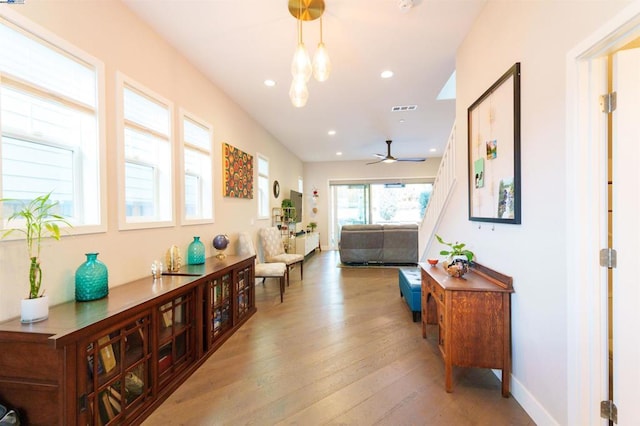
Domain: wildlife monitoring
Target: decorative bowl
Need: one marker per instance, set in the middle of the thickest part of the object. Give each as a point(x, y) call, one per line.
point(432, 262)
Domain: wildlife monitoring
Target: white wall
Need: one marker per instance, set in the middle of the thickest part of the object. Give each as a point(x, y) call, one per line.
point(319, 174)
point(538, 34)
point(114, 35)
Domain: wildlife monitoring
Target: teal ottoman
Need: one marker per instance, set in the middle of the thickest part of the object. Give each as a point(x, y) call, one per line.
point(409, 280)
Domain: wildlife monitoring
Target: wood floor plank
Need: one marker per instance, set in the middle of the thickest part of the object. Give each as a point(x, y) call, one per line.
point(341, 349)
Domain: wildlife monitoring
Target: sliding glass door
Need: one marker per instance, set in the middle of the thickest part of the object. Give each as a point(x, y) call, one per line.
point(376, 202)
point(349, 206)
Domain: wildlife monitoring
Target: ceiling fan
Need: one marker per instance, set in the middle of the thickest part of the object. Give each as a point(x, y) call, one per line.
point(391, 159)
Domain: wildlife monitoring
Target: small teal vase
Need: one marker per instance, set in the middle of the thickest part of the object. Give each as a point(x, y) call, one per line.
point(195, 252)
point(92, 279)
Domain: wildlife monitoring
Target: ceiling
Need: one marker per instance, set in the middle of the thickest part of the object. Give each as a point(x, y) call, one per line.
point(239, 44)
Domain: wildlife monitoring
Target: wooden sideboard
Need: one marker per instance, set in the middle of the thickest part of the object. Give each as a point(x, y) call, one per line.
point(473, 314)
point(114, 360)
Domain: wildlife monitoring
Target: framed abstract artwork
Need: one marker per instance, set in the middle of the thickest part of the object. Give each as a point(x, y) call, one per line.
point(494, 152)
point(238, 172)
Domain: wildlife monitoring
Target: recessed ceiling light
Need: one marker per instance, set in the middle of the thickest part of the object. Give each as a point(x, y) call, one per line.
point(338, 153)
point(269, 83)
point(401, 120)
point(386, 74)
point(331, 132)
point(432, 150)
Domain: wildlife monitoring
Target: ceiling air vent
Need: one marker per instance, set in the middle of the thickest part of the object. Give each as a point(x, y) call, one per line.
point(401, 108)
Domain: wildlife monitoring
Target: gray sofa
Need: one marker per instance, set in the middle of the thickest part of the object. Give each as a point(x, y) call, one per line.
point(386, 244)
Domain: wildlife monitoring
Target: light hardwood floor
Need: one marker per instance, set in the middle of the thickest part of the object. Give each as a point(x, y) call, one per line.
point(342, 350)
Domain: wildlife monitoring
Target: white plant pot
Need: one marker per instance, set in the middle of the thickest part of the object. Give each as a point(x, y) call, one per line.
point(34, 310)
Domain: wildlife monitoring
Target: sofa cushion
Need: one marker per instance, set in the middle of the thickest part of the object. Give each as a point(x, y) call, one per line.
point(361, 243)
point(400, 243)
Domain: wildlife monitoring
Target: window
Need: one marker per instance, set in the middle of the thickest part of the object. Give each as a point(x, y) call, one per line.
point(263, 187)
point(49, 116)
point(197, 170)
point(300, 185)
point(147, 188)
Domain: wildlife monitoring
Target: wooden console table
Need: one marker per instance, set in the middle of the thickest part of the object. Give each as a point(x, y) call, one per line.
point(473, 315)
point(114, 360)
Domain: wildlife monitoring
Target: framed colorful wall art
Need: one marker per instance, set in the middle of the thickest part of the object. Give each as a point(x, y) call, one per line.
point(238, 172)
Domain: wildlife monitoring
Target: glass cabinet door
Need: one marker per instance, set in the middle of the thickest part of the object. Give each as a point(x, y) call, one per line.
point(117, 373)
point(244, 295)
point(219, 316)
point(176, 347)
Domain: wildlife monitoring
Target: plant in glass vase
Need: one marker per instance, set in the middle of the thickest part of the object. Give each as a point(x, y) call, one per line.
point(37, 220)
point(458, 257)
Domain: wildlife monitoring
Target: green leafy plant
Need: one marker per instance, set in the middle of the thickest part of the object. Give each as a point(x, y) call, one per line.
point(287, 203)
point(457, 249)
point(40, 222)
point(313, 226)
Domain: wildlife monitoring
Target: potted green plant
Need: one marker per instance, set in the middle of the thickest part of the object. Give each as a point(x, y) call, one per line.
point(287, 205)
point(38, 221)
point(313, 226)
point(458, 257)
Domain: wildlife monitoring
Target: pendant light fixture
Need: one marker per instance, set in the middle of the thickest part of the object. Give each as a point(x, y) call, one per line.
point(301, 67)
point(321, 61)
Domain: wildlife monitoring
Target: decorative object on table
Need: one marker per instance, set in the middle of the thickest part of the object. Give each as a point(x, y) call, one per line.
point(92, 279)
point(156, 269)
point(195, 252)
point(432, 262)
point(458, 258)
point(494, 152)
point(313, 226)
point(173, 259)
point(220, 243)
point(238, 172)
point(40, 222)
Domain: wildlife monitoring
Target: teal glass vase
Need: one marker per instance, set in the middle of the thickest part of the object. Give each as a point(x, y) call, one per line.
point(92, 279)
point(195, 252)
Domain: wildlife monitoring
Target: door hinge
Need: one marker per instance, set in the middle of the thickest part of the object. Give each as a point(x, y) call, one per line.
point(609, 411)
point(608, 102)
point(608, 258)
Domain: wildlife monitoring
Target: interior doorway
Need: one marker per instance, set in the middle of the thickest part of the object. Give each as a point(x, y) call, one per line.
point(596, 373)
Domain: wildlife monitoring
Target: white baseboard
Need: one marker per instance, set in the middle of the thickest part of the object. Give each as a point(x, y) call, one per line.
point(534, 409)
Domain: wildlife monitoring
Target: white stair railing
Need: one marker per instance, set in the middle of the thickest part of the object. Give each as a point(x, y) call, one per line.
point(442, 189)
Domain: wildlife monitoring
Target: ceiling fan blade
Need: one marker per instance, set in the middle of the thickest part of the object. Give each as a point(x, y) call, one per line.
point(411, 159)
point(380, 155)
point(376, 162)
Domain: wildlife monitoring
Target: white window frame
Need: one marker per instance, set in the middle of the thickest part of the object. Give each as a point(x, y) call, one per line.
point(267, 193)
point(207, 217)
point(99, 186)
point(165, 195)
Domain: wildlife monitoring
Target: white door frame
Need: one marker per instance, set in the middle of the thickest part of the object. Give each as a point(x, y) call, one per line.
point(587, 353)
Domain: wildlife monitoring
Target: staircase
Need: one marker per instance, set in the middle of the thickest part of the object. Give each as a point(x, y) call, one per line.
point(442, 189)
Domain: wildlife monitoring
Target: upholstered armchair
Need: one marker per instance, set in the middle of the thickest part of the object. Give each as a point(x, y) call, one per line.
point(263, 270)
point(273, 250)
